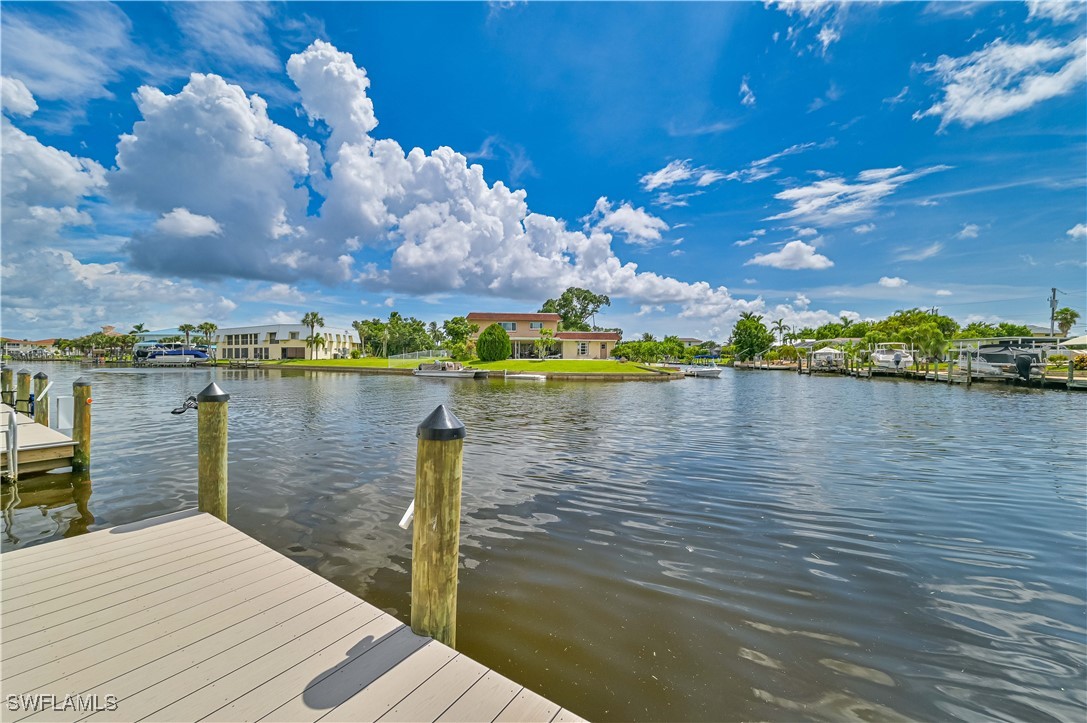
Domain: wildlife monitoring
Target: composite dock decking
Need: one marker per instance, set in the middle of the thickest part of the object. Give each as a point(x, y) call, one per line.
point(184, 618)
point(40, 448)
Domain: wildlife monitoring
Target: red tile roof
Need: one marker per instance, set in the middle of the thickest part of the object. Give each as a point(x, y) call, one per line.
point(493, 316)
point(588, 335)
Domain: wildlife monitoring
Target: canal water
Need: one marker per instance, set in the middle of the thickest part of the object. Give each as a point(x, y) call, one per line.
point(760, 546)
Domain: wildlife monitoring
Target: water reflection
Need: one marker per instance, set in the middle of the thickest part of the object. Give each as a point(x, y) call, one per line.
point(61, 498)
point(762, 546)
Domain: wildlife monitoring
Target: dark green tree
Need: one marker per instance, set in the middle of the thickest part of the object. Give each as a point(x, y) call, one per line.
point(458, 329)
point(576, 306)
point(750, 337)
point(494, 344)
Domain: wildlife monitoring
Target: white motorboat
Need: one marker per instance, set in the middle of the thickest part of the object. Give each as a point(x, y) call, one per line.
point(892, 355)
point(448, 370)
point(710, 372)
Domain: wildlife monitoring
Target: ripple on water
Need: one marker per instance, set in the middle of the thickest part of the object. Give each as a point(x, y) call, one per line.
point(762, 546)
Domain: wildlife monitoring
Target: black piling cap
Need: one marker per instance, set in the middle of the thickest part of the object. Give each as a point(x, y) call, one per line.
point(24, 371)
point(213, 393)
point(81, 382)
point(41, 375)
point(441, 426)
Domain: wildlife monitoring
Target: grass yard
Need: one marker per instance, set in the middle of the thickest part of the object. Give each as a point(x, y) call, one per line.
point(369, 362)
point(568, 366)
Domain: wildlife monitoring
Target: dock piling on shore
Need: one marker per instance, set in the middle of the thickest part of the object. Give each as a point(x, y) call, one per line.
point(81, 424)
point(211, 436)
point(436, 535)
point(22, 391)
point(41, 406)
point(7, 383)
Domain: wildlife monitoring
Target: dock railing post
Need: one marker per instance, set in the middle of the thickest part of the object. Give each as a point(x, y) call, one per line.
point(211, 441)
point(435, 546)
point(41, 406)
point(81, 424)
point(22, 391)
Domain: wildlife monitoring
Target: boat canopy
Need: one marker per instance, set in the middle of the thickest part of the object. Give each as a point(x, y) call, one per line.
point(829, 351)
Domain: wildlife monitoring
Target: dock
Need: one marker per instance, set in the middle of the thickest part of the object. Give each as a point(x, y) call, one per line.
point(183, 617)
point(40, 448)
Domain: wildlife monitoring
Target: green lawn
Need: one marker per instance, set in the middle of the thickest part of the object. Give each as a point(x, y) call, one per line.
point(369, 362)
point(569, 366)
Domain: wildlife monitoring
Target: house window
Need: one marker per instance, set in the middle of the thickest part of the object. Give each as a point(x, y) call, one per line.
point(535, 325)
point(508, 325)
point(583, 348)
point(294, 336)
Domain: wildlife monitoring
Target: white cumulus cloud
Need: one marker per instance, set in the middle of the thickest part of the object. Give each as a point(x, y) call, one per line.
point(892, 282)
point(640, 227)
point(1079, 231)
point(834, 200)
point(183, 223)
point(793, 256)
point(864, 228)
point(16, 98)
point(1056, 11)
point(1004, 78)
point(747, 97)
point(968, 230)
point(943, 292)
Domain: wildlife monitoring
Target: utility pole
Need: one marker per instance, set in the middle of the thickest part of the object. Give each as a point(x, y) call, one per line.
point(1052, 310)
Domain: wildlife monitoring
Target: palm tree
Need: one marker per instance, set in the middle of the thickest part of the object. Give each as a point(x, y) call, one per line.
point(186, 329)
point(362, 328)
point(1066, 318)
point(208, 329)
point(314, 341)
point(138, 329)
point(779, 327)
point(313, 320)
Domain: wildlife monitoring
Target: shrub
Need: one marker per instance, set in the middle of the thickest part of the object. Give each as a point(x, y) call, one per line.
point(462, 350)
point(494, 344)
point(356, 354)
point(1080, 362)
point(1057, 359)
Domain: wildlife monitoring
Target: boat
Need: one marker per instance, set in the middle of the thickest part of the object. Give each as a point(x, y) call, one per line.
point(892, 355)
point(177, 357)
point(710, 372)
point(448, 370)
point(1023, 363)
point(979, 365)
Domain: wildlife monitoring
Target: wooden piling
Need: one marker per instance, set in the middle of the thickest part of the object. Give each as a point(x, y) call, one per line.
point(41, 406)
point(22, 391)
point(436, 535)
point(7, 380)
point(950, 368)
point(211, 440)
point(81, 424)
point(969, 368)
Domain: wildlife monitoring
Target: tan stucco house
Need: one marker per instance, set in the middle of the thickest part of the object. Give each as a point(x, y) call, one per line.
point(524, 330)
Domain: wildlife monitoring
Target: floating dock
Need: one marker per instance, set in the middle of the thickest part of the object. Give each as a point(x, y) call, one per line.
point(40, 448)
point(183, 617)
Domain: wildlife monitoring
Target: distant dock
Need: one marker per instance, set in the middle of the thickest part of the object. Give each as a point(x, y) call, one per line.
point(38, 448)
point(183, 617)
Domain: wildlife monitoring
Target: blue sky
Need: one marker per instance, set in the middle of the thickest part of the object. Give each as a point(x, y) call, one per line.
point(246, 163)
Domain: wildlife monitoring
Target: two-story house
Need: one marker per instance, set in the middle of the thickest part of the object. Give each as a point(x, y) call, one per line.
point(524, 331)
